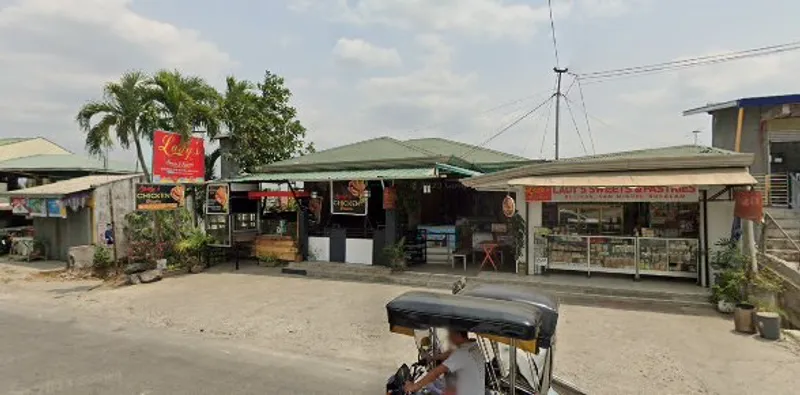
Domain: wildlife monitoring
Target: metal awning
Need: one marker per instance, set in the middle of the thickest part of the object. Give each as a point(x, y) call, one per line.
point(419, 173)
point(343, 175)
point(700, 177)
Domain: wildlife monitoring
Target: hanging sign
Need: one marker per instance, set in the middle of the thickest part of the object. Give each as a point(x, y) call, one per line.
point(749, 205)
point(217, 198)
point(509, 206)
point(349, 197)
point(158, 197)
point(37, 207)
point(176, 162)
point(56, 208)
point(19, 206)
point(686, 194)
point(389, 198)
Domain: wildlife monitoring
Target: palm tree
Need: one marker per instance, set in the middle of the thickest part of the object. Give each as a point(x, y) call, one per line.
point(184, 103)
point(125, 111)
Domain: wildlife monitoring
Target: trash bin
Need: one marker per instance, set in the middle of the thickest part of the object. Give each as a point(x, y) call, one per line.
point(769, 325)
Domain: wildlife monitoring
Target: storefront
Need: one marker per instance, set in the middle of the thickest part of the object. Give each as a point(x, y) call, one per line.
point(641, 213)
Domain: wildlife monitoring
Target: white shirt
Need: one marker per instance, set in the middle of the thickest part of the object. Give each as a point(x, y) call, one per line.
point(467, 363)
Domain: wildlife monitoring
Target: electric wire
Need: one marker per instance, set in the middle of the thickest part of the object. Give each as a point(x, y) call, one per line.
point(547, 120)
point(575, 124)
point(585, 114)
point(506, 128)
point(553, 32)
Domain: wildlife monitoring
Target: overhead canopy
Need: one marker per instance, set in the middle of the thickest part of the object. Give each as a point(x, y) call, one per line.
point(723, 176)
point(366, 175)
point(66, 187)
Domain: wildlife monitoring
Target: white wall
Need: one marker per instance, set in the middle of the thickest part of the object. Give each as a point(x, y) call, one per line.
point(720, 219)
point(320, 248)
point(358, 251)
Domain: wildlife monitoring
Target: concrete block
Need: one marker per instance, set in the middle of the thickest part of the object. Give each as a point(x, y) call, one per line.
point(80, 257)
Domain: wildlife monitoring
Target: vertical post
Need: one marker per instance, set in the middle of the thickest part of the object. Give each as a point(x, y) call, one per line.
point(705, 269)
point(512, 367)
point(739, 124)
point(559, 73)
point(111, 221)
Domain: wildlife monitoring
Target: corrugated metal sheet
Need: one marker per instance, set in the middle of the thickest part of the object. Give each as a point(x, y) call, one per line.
point(59, 162)
point(784, 136)
point(66, 187)
point(700, 177)
point(341, 175)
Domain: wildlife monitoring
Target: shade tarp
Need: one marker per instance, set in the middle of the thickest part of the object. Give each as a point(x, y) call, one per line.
point(699, 177)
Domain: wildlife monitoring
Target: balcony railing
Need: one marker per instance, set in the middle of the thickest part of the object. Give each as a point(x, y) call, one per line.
point(775, 188)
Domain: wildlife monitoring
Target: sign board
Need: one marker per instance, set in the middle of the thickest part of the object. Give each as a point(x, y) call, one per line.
point(19, 206)
point(37, 207)
point(390, 198)
point(56, 208)
point(509, 206)
point(749, 205)
point(217, 198)
point(157, 197)
point(176, 162)
point(349, 197)
point(687, 194)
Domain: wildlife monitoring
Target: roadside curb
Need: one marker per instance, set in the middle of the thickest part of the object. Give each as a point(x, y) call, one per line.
point(592, 296)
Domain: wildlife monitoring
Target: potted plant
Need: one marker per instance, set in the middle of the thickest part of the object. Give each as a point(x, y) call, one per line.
point(395, 255)
point(519, 233)
point(768, 321)
point(729, 265)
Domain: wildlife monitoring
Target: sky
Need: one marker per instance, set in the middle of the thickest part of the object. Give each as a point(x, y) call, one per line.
point(358, 69)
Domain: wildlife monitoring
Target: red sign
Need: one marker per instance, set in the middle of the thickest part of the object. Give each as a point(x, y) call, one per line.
point(389, 198)
point(749, 205)
point(176, 162)
point(612, 194)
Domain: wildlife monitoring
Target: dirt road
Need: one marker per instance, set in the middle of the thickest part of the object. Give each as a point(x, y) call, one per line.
point(604, 351)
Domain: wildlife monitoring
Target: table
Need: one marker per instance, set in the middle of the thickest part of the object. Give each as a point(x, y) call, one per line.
point(488, 251)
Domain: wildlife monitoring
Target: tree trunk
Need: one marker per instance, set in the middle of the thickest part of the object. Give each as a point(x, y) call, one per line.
point(141, 158)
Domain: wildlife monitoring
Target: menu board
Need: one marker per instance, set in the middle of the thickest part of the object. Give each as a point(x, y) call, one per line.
point(156, 197)
point(349, 197)
point(217, 199)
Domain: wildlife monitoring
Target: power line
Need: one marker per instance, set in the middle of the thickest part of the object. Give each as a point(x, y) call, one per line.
point(504, 129)
point(575, 123)
point(547, 120)
point(586, 115)
point(553, 31)
point(602, 76)
point(544, 134)
point(480, 113)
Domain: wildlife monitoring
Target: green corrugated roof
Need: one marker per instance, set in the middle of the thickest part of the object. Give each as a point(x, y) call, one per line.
point(467, 152)
point(661, 152)
point(341, 175)
point(383, 148)
point(70, 162)
point(389, 152)
point(12, 140)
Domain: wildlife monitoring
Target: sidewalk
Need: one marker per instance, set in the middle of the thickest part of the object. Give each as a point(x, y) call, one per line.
point(650, 295)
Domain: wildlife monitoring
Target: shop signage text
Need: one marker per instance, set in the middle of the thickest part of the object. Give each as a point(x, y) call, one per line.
point(217, 199)
point(177, 162)
point(612, 194)
point(349, 197)
point(157, 197)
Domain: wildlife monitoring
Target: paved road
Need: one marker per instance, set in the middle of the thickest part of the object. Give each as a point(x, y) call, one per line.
point(40, 354)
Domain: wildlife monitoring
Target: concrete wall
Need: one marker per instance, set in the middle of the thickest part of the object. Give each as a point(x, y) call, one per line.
point(228, 168)
point(723, 132)
point(789, 299)
point(59, 234)
point(121, 195)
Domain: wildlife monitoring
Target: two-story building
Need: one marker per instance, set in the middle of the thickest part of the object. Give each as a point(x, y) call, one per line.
point(769, 128)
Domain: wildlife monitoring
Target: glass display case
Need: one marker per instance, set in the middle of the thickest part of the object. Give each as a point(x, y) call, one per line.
point(672, 257)
point(218, 227)
point(568, 252)
point(612, 254)
point(590, 219)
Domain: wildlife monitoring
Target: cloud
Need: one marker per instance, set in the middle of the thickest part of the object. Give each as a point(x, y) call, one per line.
point(363, 53)
point(55, 55)
point(494, 19)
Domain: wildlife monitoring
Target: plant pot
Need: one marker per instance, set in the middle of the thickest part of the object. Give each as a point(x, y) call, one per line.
point(725, 307)
point(743, 318)
point(769, 325)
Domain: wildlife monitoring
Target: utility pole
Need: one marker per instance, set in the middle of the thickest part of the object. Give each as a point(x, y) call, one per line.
point(559, 72)
point(696, 135)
